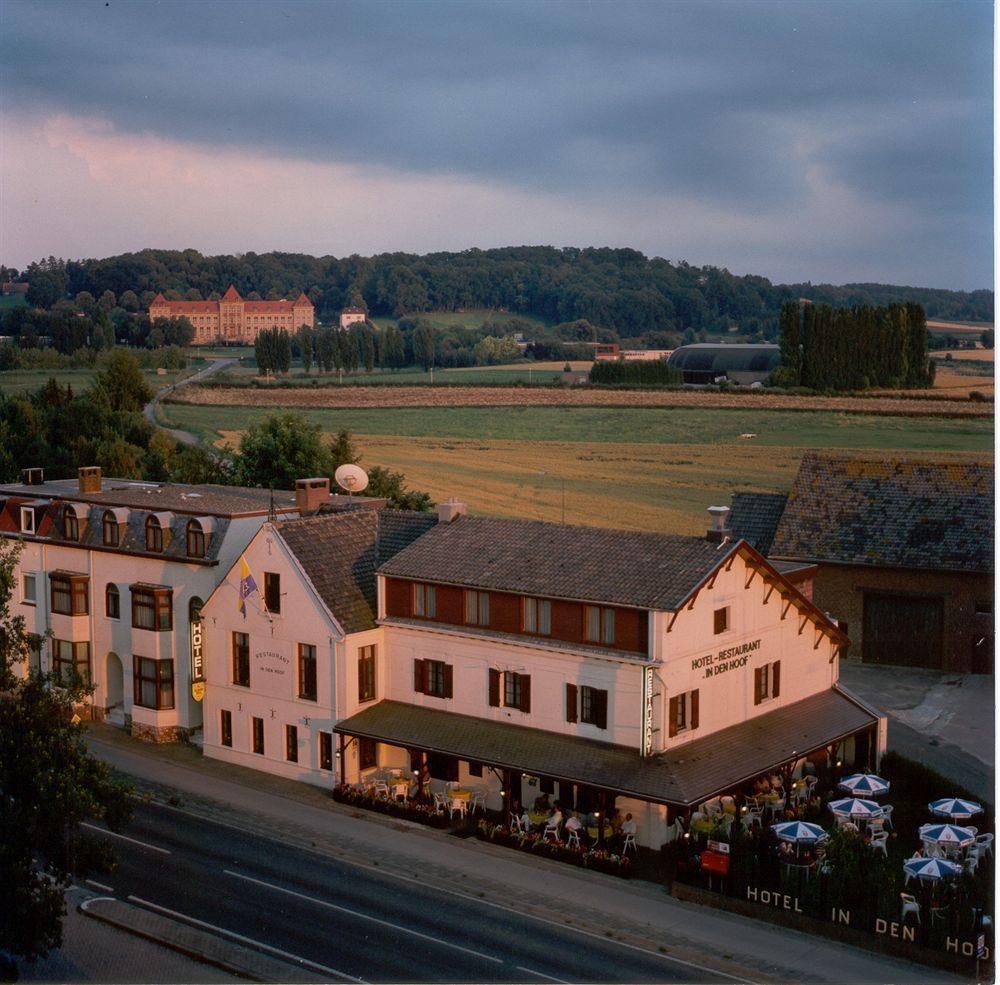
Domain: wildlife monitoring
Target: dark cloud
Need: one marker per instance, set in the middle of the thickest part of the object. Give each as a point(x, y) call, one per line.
point(735, 104)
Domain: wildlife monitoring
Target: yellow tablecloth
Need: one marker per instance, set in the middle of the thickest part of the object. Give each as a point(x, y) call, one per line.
point(702, 825)
point(459, 794)
point(608, 832)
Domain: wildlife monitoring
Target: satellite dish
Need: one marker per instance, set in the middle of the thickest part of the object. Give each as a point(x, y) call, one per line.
point(353, 478)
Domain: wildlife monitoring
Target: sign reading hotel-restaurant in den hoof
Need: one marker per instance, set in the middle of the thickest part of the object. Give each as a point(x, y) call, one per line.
point(272, 672)
point(732, 658)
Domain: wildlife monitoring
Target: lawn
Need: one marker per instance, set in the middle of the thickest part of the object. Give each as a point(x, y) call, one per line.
point(652, 469)
point(28, 380)
point(474, 318)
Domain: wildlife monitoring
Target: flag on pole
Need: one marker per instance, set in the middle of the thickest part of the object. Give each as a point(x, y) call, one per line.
point(247, 586)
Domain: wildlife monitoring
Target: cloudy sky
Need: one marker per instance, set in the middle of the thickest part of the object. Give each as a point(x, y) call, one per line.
point(831, 141)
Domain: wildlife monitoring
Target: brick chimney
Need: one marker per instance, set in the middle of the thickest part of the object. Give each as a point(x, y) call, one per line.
point(89, 478)
point(311, 494)
point(450, 510)
point(717, 532)
point(32, 477)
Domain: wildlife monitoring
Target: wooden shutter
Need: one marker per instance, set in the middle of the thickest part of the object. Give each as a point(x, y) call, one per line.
point(672, 730)
point(776, 679)
point(600, 700)
point(694, 708)
point(418, 676)
point(570, 702)
point(494, 688)
point(449, 680)
point(525, 692)
point(756, 684)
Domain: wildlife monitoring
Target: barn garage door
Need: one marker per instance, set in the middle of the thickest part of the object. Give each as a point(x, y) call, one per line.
point(903, 629)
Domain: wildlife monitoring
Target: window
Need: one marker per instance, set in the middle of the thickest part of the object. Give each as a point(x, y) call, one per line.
point(153, 683)
point(594, 706)
point(71, 525)
point(154, 535)
point(475, 769)
point(683, 712)
point(27, 519)
point(70, 661)
point(257, 731)
point(509, 690)
point(307, 672)
point(28, 589)
point(195, 539)
point(767, 682)
point(69, 594)
point(434, 678)
point(292, 743)
point(226, 728)
point(241, 659)
point(721, 620)
point(326, 750)
point(366, 673)
point(152, 608)
point(367, 754)
point(424, 601)
point(536, 616)
point(33, 652)
point(112, 602)
point(272, 592)
point(477, 608)
point(109, 529)
point(599, 624)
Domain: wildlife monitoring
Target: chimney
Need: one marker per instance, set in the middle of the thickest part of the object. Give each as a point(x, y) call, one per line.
point(89, 477)
point(32, 477)
point(311, 494)
point(450, 510)
point(717, 532)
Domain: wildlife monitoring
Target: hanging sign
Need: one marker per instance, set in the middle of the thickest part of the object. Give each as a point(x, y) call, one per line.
point(197, 654)
point(647, 711)
point(198, 690)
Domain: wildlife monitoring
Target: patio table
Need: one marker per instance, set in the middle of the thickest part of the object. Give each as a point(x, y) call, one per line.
point(702, 825)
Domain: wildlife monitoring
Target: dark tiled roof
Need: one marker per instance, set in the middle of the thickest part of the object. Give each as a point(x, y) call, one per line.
point(155, 496)
point(687, 775)
point(754, 516)
point(885, 512)
point(623, 567)
point(340, 551)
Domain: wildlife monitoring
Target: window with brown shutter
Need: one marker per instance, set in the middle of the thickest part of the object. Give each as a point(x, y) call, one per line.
point(418, 676)
point(494, 688)
point(600, 707)
point(721, 620)
point(672, 727)
point(694, 708)
point(756, 685)
point(449, 681)
point(525, 693)
point(776, 679)
point(570, 702)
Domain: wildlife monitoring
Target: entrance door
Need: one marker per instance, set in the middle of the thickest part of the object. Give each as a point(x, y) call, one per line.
point(903, 629)
point(115, 683)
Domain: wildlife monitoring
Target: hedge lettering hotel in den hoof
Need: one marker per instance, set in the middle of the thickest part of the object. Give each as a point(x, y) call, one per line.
point(320, 637)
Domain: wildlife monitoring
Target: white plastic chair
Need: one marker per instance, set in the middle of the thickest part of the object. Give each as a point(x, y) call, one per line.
point(970, 864)
point(754, 814)
point(551, 829)
point(984, 843)
point(440, 803)
point(573, 838)
point(459, 804)
point(515, 823)
point(887, 816)
point(879, 842)
point(479, 801)
point(728, 801)
point(381, 787)
point(630, 843)
point(910, 905)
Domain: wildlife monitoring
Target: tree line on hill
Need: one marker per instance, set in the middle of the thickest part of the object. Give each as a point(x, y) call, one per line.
point(824, 348)
point(622, 291)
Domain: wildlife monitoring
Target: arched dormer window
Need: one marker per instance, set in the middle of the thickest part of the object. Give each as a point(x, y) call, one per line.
point(109, 529)
point(71, 525)
point(195, 539)
point(154, 535)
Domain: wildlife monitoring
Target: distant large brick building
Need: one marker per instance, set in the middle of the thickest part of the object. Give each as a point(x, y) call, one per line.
point(233, 319)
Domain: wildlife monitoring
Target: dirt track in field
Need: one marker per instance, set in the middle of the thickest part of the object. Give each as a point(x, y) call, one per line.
point(424, 396)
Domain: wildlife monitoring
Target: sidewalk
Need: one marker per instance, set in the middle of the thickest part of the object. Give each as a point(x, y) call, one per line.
point(637, 913)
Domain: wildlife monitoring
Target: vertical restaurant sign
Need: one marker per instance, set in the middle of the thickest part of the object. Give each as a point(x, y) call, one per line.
point(197, 653)
point(647, 711)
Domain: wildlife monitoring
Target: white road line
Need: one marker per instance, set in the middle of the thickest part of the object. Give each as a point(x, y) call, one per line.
point(135, 841)
point(100, 885)
point(541, 974)
point(259, 945)
point(363, 916)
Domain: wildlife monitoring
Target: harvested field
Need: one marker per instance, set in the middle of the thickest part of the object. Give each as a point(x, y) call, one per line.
point(473, 396)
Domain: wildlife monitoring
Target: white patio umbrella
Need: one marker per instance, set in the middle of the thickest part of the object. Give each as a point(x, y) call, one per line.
point(947, 835)
point(800, 832)
point(864, 784)
point(855, 808)
point(954, 807)
point(931, 869)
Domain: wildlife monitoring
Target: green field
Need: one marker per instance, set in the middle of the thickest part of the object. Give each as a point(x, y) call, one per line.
point(474, 318)
point(529, 373)
point(28, 380)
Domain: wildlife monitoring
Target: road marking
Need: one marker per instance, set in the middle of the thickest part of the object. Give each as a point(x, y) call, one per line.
point(100, 885)
point(363, 916)
point(541, 974)
point(114, 834)
point(260, 945)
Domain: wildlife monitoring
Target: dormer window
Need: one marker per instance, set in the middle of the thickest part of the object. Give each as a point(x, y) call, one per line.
point(154, 535)
point(195, 539)
point(109, 529)
point(71, 525)
point(27, 519)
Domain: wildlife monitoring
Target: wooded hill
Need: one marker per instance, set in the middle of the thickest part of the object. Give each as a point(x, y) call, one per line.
point(629, 295)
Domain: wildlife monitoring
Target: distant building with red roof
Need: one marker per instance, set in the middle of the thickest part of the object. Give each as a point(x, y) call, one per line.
point(233, 319)
point(351, 316)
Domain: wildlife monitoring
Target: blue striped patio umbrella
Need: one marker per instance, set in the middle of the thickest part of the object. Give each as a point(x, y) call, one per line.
point(864, 785)
point(931, 869)
point(948, 835)
point(954, 807)
point(855, 808)
point(800, 832)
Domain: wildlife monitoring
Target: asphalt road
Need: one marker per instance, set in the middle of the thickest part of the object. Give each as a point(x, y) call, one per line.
point(359, 925)
point(149, 411)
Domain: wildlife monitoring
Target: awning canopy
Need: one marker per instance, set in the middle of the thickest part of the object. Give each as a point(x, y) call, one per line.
point(683, 777)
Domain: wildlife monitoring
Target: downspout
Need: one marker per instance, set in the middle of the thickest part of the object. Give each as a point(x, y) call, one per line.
point(93, 630)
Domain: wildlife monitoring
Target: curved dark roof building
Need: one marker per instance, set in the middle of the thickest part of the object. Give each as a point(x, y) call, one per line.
point(704, 362)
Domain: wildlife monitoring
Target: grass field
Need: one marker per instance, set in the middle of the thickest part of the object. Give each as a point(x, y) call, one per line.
point(28, 380)
point(652, 469)
point(474, 318)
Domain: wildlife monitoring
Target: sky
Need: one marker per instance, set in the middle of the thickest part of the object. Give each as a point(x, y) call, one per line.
point(833, 142)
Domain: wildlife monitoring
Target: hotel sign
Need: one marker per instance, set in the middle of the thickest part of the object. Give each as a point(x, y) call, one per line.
point(732, 658)
point(647, 711)
point(197, 653)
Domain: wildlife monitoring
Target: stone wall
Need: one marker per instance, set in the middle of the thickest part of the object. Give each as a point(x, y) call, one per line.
point(161, 733)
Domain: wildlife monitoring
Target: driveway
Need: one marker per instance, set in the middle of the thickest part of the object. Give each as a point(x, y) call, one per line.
point(149, 411)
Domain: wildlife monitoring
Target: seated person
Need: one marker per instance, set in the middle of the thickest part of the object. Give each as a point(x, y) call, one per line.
point(542, 803)
point(616, 821)
point(573, 823)
point(628, 828)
